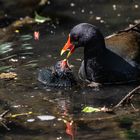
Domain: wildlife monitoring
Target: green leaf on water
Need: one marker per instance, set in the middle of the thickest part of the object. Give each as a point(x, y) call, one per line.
point(89, 109)
point(41, 19)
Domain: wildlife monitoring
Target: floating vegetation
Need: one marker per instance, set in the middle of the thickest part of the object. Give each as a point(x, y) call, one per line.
point(89, 109)
point(9, 75)
point(41, 19)
point(21, 114)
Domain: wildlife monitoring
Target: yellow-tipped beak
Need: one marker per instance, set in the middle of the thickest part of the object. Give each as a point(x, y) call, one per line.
point(62, 52)
point(68, 47)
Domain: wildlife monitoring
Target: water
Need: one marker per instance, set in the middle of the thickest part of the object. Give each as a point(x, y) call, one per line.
point(20, 53)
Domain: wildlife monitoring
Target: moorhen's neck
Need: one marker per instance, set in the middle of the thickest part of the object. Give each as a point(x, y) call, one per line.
point(94, 50)
point(93, 57)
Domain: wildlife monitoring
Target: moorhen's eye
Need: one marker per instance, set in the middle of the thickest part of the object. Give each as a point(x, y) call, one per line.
point(75, 39)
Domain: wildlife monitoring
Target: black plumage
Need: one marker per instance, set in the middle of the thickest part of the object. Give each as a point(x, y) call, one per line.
point(115, 59)
point(59, 75)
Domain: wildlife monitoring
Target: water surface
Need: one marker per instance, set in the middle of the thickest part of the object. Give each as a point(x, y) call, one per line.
point(22, 54)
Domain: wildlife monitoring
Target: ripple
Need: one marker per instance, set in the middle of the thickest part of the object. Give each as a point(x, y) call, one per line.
point(25, 37)
point(26, 46)
point(5, 68)
point(6, 47)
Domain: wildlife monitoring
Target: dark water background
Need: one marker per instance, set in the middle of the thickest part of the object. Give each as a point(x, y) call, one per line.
point(25, 95)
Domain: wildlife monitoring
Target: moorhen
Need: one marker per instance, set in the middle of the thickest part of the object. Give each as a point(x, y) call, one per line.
point(113, 60)
point(59, 75)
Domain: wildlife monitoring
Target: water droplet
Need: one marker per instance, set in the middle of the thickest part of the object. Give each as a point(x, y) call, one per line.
point(16, 106)
point(23, 57)
point(53, 26)
point(82, 10)
point(91, 12)
point(59, 119)
point(118, 14)
point(30, 120)
point(13, 60)
point(52, 32)
point(137, 21)
point(102, 21)
point(131, 25)
point(136, 6)
point(48, 89)
point(114, 7)
point(48, 2)
point(72, 4)
point(45, 117)
point(73, 12)
point(54, 124)
point(59, 138)
point(98, 18)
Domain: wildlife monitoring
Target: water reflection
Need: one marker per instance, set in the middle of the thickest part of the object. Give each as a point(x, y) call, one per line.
point(5, 48)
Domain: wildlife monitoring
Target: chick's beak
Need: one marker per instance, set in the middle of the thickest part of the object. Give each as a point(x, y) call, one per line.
point(68, 47)
point(64, 63)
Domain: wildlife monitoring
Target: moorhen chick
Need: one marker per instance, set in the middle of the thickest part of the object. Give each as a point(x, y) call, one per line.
point(59, 75)
point(113, 60)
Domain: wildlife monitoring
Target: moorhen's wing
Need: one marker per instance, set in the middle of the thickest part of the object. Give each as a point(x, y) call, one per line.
point(126, 44)
point(81, 73)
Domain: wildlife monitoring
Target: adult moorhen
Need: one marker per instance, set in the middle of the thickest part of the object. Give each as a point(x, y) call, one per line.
point(113, 60)
point(59, 75)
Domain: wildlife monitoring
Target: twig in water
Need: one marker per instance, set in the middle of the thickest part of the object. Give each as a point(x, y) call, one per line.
point(2, 119)
point(128, 96)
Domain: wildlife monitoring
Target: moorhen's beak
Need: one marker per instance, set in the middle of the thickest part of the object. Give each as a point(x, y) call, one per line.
point(68, 47)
